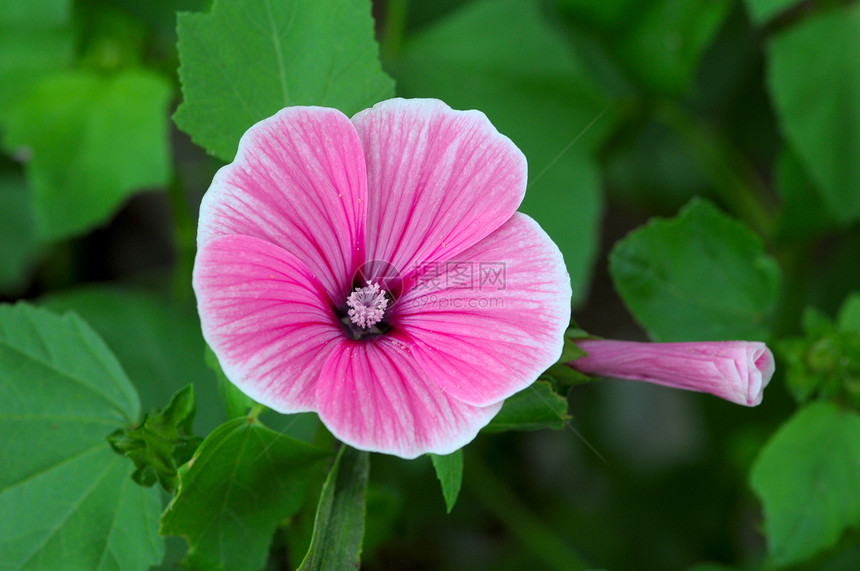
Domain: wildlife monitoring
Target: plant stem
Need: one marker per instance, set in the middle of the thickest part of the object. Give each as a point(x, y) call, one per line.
point(392, 34)
point(519, 520)
point(185, 239)
point(729, 173)
point(256, 411)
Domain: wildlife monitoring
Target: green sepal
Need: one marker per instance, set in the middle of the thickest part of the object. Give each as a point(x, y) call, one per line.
point(533, 408)
point(560, 374)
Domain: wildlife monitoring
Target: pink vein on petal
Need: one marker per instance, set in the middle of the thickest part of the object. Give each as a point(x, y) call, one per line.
point(298, 181)
point(483, 343)
point(266, 317)
point(439, 180)
point(374, 396)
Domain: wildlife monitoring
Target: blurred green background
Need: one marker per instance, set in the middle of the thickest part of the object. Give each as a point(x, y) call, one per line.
point(626, 110)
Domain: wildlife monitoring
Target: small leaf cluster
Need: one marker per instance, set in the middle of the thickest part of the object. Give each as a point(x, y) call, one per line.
point(162, 442)
point(825, 363)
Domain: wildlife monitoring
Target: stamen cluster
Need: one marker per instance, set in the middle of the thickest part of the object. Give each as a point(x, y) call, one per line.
point(367, 305)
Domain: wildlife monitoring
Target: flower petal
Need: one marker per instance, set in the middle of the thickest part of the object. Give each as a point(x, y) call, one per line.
point(298, 181)
point(373, 396)
point(493, 336)
point(439, 180)
point(267, 319)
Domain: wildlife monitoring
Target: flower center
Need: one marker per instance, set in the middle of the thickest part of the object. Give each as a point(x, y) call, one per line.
point(367, 305)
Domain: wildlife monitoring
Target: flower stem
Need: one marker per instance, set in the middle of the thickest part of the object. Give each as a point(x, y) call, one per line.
point(392, 34)
point(729, 173)
point(185, 240)
point(255, 412)
point(519, 520)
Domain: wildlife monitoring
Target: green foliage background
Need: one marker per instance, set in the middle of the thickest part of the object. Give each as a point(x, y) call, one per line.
point(698, 163)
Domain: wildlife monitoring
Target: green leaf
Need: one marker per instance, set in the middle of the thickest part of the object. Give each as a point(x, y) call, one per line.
point(812, 75)
point(658, 42)
point(35, 13)
point(35, 40)
point(849, 313)
point(162, 442)
point(699, 276)
point(61, 393)
point(247, 59)
point(503, 58)
point(449, 470)
point(339, 524)
point(158, 343)
point(804, 212)
point(19, 246)
point(762, 11)
point(241, 483)
point(664, 46)
point(91, 142)
point(236, 402)
point(603, 15)
point(808, 479)
point(533, 408)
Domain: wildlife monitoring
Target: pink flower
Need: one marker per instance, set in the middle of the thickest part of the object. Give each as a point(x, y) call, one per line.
point(737, 371)
point(375, 270)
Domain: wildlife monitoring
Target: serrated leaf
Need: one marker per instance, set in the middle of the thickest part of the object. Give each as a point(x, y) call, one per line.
point(699, 276)
point(241, 483)
point(158, 342)
point(339, 523)
point(90, 142)
point(61, 393)
point(812, 76)
point(808, 478)
point(247, 59)
point(504, 58)
point(449, 470)
point(533, 408)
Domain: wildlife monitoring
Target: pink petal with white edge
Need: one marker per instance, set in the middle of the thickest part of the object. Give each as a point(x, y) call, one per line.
point(485, 341)
point(298, 181)
point(267, 319)
point(439, 180)
point(373, 396)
